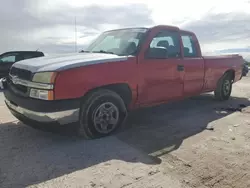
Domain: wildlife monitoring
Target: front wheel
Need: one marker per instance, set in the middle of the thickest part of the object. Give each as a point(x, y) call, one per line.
point(224, 88)
point(102, 113)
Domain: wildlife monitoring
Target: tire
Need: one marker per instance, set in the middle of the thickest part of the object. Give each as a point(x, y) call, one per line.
point(102, 113)
point(224, 88)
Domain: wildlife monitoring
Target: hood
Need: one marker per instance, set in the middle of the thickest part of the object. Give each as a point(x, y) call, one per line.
point(66, 61)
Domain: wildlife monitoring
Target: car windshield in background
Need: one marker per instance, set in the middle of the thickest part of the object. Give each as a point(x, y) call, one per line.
point(119, 42)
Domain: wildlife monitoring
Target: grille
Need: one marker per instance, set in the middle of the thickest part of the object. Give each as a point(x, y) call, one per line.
point(18, 89)
point(21, 73)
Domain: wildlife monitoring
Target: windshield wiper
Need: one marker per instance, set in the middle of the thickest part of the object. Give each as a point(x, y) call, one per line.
point(103, 51)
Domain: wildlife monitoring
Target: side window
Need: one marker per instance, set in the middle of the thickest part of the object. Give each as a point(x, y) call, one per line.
point(164, 45)
point(38, 54)
point(188, 46)
point(10, 58)
point(29, 55)
point(32, 55)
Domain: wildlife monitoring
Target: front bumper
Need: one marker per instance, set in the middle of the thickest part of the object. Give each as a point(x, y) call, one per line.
point(61, 117)
point(60, 112)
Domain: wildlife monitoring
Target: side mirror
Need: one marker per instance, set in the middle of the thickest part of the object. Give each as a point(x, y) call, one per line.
point(157, 53)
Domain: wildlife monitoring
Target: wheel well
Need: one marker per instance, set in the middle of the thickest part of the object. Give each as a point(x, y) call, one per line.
point(122, 89)
point(231, 73)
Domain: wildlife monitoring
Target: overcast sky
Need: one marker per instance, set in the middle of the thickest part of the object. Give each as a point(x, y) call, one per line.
point(221, 26)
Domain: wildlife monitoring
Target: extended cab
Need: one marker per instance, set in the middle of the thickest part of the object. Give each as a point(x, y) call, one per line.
point(121, 70)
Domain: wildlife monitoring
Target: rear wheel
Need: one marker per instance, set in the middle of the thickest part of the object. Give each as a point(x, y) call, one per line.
point(102, 113)
point(224, 88)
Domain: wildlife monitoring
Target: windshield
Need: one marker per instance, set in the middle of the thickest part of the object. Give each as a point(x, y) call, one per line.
point(119, 42)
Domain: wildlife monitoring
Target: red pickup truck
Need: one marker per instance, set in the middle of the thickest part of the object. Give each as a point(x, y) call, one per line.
point(121, 70)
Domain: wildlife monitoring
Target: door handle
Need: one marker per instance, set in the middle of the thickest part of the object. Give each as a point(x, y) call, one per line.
point(180, 68)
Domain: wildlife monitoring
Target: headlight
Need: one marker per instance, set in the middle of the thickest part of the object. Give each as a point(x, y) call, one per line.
point(42, 94)
point(44, 77)
point(42, 85)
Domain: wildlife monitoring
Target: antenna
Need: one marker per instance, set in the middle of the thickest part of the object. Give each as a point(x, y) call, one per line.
point(75, 36)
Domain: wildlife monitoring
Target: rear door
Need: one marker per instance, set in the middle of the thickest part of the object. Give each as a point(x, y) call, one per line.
point(160, 68)
point(193, 64)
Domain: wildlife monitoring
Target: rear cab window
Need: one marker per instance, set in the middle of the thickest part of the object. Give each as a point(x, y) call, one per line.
point(189, 46)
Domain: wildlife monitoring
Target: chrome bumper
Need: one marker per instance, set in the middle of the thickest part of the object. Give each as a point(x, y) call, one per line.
point(62, 117)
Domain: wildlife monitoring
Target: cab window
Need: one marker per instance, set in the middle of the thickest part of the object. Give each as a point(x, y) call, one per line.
point(164, 45)
point(189, 48)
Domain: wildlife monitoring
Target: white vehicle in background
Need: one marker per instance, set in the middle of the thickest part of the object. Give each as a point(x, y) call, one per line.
point(1, 83)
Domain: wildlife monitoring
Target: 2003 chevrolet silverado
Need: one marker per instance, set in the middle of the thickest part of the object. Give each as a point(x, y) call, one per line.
point(121, 70)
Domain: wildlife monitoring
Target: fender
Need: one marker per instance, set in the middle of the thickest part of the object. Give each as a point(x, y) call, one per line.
point(75, 83)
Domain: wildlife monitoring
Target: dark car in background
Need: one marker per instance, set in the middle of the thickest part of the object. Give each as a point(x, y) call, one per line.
point(245, 69)
point(7, 59)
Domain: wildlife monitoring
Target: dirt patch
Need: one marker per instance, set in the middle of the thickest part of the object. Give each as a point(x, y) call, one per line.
point(218, 161)
point(197, 143)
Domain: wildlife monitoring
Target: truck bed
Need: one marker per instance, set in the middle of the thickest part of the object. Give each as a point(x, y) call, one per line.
point(215, 66)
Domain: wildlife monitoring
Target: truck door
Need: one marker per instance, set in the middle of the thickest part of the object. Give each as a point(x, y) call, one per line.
point(193, 65)
point(160, 68)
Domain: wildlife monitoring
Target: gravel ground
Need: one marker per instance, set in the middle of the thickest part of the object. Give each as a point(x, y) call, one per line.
point(193, 143)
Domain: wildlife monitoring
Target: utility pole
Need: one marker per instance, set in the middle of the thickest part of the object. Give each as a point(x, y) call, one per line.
point(75, 36)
